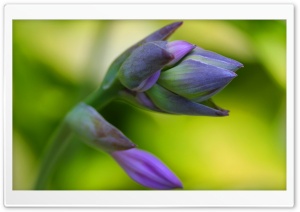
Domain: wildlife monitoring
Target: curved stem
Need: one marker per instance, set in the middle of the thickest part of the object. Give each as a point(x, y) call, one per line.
point(98, 99)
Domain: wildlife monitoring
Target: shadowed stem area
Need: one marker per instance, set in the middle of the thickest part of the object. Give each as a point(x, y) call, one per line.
point(61, 138)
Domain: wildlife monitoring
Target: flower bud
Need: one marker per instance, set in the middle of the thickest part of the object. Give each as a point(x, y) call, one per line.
point(195, 80)
point(86, 122)
point(176, 77)
point(142, 68)
point(144, 61)
point(146, 169)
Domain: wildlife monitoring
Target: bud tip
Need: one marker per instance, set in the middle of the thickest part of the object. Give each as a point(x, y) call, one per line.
point(222, 112)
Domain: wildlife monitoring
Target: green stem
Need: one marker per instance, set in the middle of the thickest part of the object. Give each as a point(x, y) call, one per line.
point(98, 99)
point(103, 96)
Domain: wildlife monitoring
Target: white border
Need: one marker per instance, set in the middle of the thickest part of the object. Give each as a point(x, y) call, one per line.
point(147, 198)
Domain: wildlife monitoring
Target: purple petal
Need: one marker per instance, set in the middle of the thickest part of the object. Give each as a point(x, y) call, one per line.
point(179, 49)
point(148, 83)
point(163, 33)
point(146, 169)
point(212, 58)
point(144, 100)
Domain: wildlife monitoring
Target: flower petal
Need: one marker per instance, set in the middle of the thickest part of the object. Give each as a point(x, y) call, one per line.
point(143, 63)
point(148, 83)
point(212, 58)
point(163, 33)
point(173, 103)
point(138, 99)
point(179, 49)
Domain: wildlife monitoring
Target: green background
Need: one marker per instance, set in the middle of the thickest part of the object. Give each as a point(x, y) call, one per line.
point(56, 64)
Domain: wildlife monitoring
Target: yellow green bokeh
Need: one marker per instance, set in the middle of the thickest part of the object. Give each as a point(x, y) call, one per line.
point(56, 64)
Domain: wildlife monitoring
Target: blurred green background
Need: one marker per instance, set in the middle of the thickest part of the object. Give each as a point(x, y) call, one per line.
point(58, 63)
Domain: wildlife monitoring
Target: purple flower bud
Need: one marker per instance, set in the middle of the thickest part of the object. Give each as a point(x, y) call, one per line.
point(86, 122)
point(146, 169)
point(195, 80)
point(144, 61)
point(176, 77)
point(200, 75)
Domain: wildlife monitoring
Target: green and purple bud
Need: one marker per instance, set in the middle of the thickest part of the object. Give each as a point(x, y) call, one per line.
point(87, 123)
point(172, 77)
point(176, 77)
point(200, 75)
point(146, 169)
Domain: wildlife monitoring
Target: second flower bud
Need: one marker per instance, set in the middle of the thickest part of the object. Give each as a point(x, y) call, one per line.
point(86, 122)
